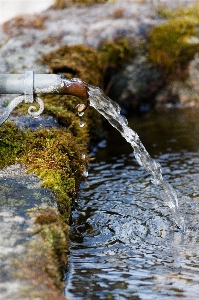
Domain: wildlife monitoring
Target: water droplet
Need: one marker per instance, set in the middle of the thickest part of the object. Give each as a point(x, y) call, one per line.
point(85, 173)
point(81, 113)
point(80, 107)
point(81, 124)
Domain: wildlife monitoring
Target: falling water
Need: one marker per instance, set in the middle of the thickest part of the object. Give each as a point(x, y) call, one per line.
point(111, 111)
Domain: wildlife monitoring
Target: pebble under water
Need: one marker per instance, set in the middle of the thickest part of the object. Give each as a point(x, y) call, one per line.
point(124, 241)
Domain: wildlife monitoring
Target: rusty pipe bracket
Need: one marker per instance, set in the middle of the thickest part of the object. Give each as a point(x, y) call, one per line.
point(29, 85)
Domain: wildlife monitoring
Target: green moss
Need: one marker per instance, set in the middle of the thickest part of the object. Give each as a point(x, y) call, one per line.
point(75, 61)
point(116, 52)
point(87, 63)
point(54, 155)
point(91, 66)
point(11, 145)
point(191, 10)
point(169, 44)
point(60, 4)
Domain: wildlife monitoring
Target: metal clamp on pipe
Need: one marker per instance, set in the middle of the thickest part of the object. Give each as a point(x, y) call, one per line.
point(28, 85)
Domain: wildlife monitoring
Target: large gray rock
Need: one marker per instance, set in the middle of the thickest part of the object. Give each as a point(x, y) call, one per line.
point(18, 193)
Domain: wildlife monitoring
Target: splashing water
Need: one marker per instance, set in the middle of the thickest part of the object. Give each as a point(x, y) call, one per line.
point(111, 111)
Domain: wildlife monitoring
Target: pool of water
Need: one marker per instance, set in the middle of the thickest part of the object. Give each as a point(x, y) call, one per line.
point(124, 241)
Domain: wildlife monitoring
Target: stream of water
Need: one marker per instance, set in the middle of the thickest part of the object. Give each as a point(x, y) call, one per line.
point(124, 240)
point(111, 111)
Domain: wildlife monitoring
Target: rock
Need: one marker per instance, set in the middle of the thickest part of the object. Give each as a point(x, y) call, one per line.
point(135, 86)
point(184, 93)
point(19, 191)
point(25, 38)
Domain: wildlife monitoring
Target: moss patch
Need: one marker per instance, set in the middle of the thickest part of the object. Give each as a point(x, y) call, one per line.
point(75, 61)
point(171, 45)
point(91, 65)
point(55, 155)
point(87, 63)
point(60, 4)
point(11, 144)
point(116, 52)
point(191, 10)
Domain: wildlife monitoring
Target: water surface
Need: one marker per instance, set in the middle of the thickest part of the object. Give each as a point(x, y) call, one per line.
point(124, 241)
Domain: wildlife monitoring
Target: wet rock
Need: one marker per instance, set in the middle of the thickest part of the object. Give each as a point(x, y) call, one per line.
point(18, 192)
point(136, 84)
point(182, 93)
point(43, 121)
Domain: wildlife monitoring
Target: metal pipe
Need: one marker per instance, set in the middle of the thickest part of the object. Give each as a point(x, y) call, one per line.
point(29, 85)
point(43, 84)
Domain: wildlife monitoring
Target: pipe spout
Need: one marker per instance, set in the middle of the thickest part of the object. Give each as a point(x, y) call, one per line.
point(29, 85)
point(78, 88)
point(42, 84)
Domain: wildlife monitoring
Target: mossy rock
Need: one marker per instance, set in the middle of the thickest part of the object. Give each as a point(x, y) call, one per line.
point(113, 54)
point(60, 4)
point(191, 10)
point(55, 155)
point(75, 61)
point(87, 63)
point(170, 44)
point(116, 52)
point(93, 66)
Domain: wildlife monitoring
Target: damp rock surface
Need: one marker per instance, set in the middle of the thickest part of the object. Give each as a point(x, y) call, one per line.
point(18, 193)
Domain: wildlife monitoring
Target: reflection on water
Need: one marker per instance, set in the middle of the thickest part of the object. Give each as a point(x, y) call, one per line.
point(124, 241)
